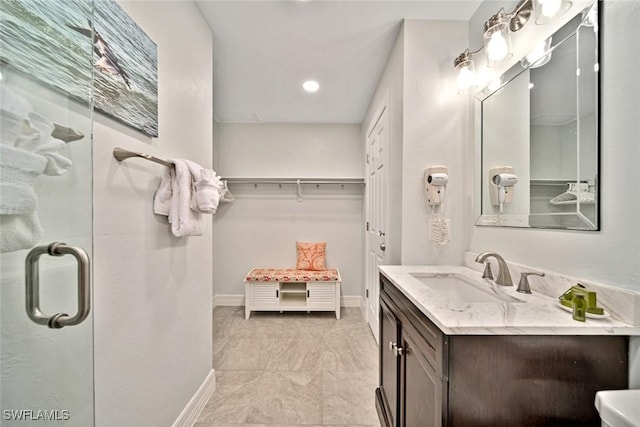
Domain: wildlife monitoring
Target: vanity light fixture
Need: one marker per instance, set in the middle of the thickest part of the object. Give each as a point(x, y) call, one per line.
point(466, 71)
point(497, 37)
point(547, 10)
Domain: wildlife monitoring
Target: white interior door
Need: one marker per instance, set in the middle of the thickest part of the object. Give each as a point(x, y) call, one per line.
point(376, 211)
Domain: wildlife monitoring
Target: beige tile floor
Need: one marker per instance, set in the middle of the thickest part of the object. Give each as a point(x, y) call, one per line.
point(292, 369)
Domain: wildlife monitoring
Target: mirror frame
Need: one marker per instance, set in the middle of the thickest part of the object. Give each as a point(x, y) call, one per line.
point(523, 220)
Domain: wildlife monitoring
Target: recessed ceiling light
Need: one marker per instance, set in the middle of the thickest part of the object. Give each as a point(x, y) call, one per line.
point(311, 86)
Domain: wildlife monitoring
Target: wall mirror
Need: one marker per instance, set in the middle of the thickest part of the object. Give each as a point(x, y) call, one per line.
point(537, 130)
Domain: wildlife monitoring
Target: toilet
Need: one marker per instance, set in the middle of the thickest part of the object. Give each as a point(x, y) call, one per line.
point(619, 408)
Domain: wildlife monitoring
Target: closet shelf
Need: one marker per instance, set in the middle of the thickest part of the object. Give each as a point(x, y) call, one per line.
point(264, 180)
point(562, 182)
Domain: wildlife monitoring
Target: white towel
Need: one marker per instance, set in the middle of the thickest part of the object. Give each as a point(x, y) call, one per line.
point(19, 232)
point(162, 198)
point(19, 225)
point(184, 221)
point(36, 137)
point(19, 170)
point(206, 188)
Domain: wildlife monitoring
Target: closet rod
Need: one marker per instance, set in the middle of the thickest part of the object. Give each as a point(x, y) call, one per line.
point(294, 180)
point(120, 154)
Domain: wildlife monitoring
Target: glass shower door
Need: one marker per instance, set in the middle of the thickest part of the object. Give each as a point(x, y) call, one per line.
point(46, 322)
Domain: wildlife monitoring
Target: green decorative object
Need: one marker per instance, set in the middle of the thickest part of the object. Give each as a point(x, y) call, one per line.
point(579, 306)
point(567, 299)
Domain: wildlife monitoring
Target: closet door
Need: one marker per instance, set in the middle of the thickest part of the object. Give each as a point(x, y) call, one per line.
point(376, 210)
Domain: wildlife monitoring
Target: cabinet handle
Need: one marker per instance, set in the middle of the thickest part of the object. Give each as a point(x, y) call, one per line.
point(395, 349)
point(277, 293)
point(307, 293)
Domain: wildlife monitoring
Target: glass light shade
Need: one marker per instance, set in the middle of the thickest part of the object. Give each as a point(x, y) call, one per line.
point(497, 40)
point(466, 73)
point(539, 56)
point(547, 10)
point(495, 84)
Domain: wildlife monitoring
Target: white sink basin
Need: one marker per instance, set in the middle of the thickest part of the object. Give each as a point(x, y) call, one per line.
point(455, 288)
point(619, 408)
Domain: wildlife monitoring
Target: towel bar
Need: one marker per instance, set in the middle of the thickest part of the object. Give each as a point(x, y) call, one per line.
point(121, 154)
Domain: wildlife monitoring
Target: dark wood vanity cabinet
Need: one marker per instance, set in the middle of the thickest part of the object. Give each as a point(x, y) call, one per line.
point(428, 378)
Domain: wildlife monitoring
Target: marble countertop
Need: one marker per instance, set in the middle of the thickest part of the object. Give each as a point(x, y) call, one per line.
point(534, 314)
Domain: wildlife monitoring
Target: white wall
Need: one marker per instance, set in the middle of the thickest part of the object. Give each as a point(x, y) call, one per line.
point(391, 85)
point(432, 135)
point(153, 308)
point(426, 113)
point(609, 256)
point(261, 227)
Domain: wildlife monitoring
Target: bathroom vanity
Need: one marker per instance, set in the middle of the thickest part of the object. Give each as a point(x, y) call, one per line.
point(498, 359)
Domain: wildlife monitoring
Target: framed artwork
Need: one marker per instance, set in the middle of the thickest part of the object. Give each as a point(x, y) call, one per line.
point(104, 58)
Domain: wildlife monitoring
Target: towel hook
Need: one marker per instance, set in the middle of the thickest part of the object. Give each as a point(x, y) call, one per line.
point(299, 190)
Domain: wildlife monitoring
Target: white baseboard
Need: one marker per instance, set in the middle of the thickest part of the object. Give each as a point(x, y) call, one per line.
point(228, 300)
point(238, 301)
point(350, 301)
point(191, 412)
point(363, 308)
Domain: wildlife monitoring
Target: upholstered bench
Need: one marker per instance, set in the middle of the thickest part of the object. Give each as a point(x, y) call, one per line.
point(281, 289)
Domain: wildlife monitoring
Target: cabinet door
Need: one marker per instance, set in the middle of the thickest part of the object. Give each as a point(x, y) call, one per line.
point(422, 389)
point(265, 295)
point(389, 364)
point(321, 296)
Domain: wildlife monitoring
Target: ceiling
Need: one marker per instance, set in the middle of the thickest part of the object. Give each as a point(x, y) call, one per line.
point(264, 51)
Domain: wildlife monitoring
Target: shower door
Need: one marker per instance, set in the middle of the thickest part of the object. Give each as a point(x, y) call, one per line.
point(46, 321)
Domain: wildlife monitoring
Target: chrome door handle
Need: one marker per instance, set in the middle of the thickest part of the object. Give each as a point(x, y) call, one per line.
point(32, 276)
point(383, 247)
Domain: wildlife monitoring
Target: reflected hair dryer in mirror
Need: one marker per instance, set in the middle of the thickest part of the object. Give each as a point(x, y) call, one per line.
point(504, 181)
point(501, 182)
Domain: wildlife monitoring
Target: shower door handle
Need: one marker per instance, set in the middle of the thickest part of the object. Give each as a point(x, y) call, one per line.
point(32, 279)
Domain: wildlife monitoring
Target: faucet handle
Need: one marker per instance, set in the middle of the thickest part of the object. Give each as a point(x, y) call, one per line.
point(487, 273)
point(523, 285)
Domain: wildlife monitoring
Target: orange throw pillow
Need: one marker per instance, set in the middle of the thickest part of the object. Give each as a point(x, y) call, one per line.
point(311, 256)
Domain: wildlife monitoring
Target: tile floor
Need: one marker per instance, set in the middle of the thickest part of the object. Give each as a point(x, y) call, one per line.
point(292, 369)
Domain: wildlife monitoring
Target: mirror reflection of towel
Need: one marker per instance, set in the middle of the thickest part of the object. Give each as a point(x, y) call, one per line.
point(27, 150)
point(19, 225)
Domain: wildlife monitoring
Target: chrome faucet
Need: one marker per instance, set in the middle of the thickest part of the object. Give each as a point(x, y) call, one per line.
point(504, 276)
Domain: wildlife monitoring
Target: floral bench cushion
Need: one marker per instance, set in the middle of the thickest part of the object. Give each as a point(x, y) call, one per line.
point(292, 275)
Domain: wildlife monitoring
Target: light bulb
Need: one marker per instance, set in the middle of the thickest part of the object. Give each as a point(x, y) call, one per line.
point(550, 7)
point(495, 84)
point(466, 78)
point(538, 52)
point(311, 86)
point(497, 48)
point(540, 55)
